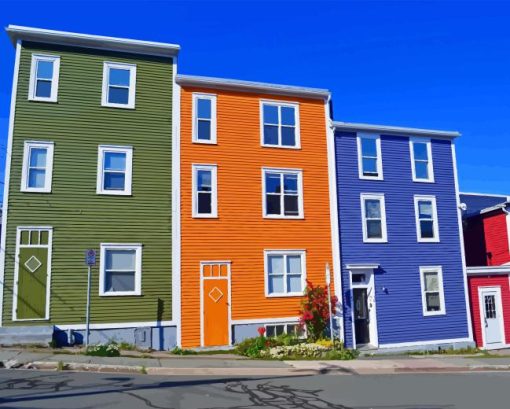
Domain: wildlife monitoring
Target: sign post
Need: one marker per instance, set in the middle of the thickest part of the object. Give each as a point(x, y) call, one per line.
point(90, 260)
point(328, 285)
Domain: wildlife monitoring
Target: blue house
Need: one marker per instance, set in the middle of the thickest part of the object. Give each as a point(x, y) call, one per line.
point(400, 237)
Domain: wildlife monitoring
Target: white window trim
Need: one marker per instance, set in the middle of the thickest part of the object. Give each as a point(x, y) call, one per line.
point(214, 191)
point(268, 253)
point(128, 150)
point(54, 81)
point(49, 166)
point(377, 138)
point(381, 198)
point(132, 84)
point(285, 325)
point(138, 269)
point(439, 271)
point(430, 163)
point(432, 199)
point(297, 127)
point(299, 173)
point(194, 126)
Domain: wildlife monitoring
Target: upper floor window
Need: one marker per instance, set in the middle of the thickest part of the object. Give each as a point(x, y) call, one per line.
point(119, 85)
point(44, 78)
point(421, 160)
point(369, 157)
point(432, 290)
point(427, 225)
point(120, 269)
point(37, 167)
point(204, 118)
point(285, 272)
point(204, 191)
point(283, 193)
point(373, 214)
point(114, 172)
point(280, 124)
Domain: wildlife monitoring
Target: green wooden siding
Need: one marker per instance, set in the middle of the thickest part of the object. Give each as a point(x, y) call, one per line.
point(82, 219)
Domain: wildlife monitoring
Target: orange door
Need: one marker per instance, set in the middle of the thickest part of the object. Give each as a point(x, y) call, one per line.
point(215, 302)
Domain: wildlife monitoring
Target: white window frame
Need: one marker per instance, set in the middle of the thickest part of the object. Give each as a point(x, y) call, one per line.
point(384, 229)
point(28, 145)
point(430, 162)
point(432, 199)
point(132, 84)
point(212, 98)
point(439, 271)
point(286, 328)
point(377, 138)
point(138, 269)
point(128, 150)
point(55, 59)
point(297, 128)
point(285, 253)
point(214, 191)
point(283, 171)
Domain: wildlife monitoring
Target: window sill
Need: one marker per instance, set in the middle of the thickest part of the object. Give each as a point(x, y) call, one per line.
point(429, 241)
point(204, 216)
point(121, 294)
point(35, 191)
point(113, 193)
point(284, 217)
point(371, 178)
point(199, 142)
point(375, 241)
point(284, 295)
point(424, 181)
point(434, 314)
point(281, 147)
point(39, 99)
point(121, 106)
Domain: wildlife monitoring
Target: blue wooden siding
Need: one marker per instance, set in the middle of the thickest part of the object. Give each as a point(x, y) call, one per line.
point(399, 308)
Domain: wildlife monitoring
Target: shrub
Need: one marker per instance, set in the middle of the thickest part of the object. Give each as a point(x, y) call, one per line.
point(314, 313)
point(310, 351)
point(110, 349)
point(179, 351)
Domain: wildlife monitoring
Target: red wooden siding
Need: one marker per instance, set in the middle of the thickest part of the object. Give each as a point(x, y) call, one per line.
point(489, 281)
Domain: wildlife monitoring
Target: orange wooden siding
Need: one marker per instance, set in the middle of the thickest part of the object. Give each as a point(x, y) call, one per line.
point(240, 234)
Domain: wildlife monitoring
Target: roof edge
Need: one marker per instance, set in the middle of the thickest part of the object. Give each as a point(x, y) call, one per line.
point(395, 130)
point(484, 270)
point(251, 86)
point(91, 41)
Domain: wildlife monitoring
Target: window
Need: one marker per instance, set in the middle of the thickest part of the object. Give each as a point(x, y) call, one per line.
point(120, 269)
point(373, 213)
point(421, 160)
point(427, 226)
point(280, 125)
point(44, 78)
point(204, 118)
point(285, 273)
point(37, 167)
point(369, 157)
point(274, 330)
point(114, 171)
point(119, 84)
point(432, 292)
point(204, 191)
point(283, 193)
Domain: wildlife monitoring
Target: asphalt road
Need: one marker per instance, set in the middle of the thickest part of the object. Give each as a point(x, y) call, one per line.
point(33, 389)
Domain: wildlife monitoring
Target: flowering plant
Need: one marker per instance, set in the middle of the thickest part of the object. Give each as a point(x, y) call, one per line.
point(261, 331)
point(314, 313)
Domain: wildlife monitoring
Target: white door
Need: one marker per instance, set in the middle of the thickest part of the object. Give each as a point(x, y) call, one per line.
point(492, 317)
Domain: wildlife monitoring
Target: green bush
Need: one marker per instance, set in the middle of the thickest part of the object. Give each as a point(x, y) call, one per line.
point(179, 351)
point(111, 349)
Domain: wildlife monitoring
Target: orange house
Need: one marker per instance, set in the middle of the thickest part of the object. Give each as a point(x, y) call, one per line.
point(255, 206)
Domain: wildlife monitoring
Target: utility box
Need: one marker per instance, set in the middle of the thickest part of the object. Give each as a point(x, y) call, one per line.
point(143, 337)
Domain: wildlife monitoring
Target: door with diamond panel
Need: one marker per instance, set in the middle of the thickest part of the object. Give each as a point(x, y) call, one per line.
point(31, 285)
point(215, 303)
point(492, 322)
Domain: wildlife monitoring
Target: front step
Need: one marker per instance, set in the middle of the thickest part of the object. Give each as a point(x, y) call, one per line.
point(26, 335)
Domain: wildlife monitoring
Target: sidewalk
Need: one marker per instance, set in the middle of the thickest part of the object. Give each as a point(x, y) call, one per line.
point(162, 363)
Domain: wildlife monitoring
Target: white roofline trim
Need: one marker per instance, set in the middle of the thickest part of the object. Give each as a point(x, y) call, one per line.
point(251, 86)
point(496, 207)
point(395, 130)
point(485, 194)
point(91, 41)
point(488, 270)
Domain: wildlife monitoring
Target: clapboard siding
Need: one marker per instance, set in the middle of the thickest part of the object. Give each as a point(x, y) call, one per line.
point(240, 233)
point(399, 311)
point(81, 219)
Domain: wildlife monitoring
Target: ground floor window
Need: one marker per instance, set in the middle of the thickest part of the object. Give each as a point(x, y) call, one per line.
point(274, 330)
point(120, 269)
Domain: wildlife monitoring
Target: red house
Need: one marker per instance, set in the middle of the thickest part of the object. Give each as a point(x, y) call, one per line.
point(487, 246)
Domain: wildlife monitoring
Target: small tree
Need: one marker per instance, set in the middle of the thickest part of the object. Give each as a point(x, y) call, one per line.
point(314, 313)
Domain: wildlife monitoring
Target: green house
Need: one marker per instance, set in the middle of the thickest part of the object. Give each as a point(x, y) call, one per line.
point(89, 166)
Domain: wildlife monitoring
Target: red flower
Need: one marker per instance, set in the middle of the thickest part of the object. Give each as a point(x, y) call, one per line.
point(261, 331)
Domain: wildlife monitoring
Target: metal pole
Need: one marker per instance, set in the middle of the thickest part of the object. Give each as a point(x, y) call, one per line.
point(87, 319)
point(328, 284)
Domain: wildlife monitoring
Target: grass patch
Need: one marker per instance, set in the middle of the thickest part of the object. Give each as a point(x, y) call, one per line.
point(180, 351)
point(448, 351)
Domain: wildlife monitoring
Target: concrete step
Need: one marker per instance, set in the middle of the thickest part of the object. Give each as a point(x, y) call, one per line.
point(26, 335)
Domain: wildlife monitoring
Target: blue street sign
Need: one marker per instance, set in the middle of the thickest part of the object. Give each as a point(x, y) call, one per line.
point(90, 257)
